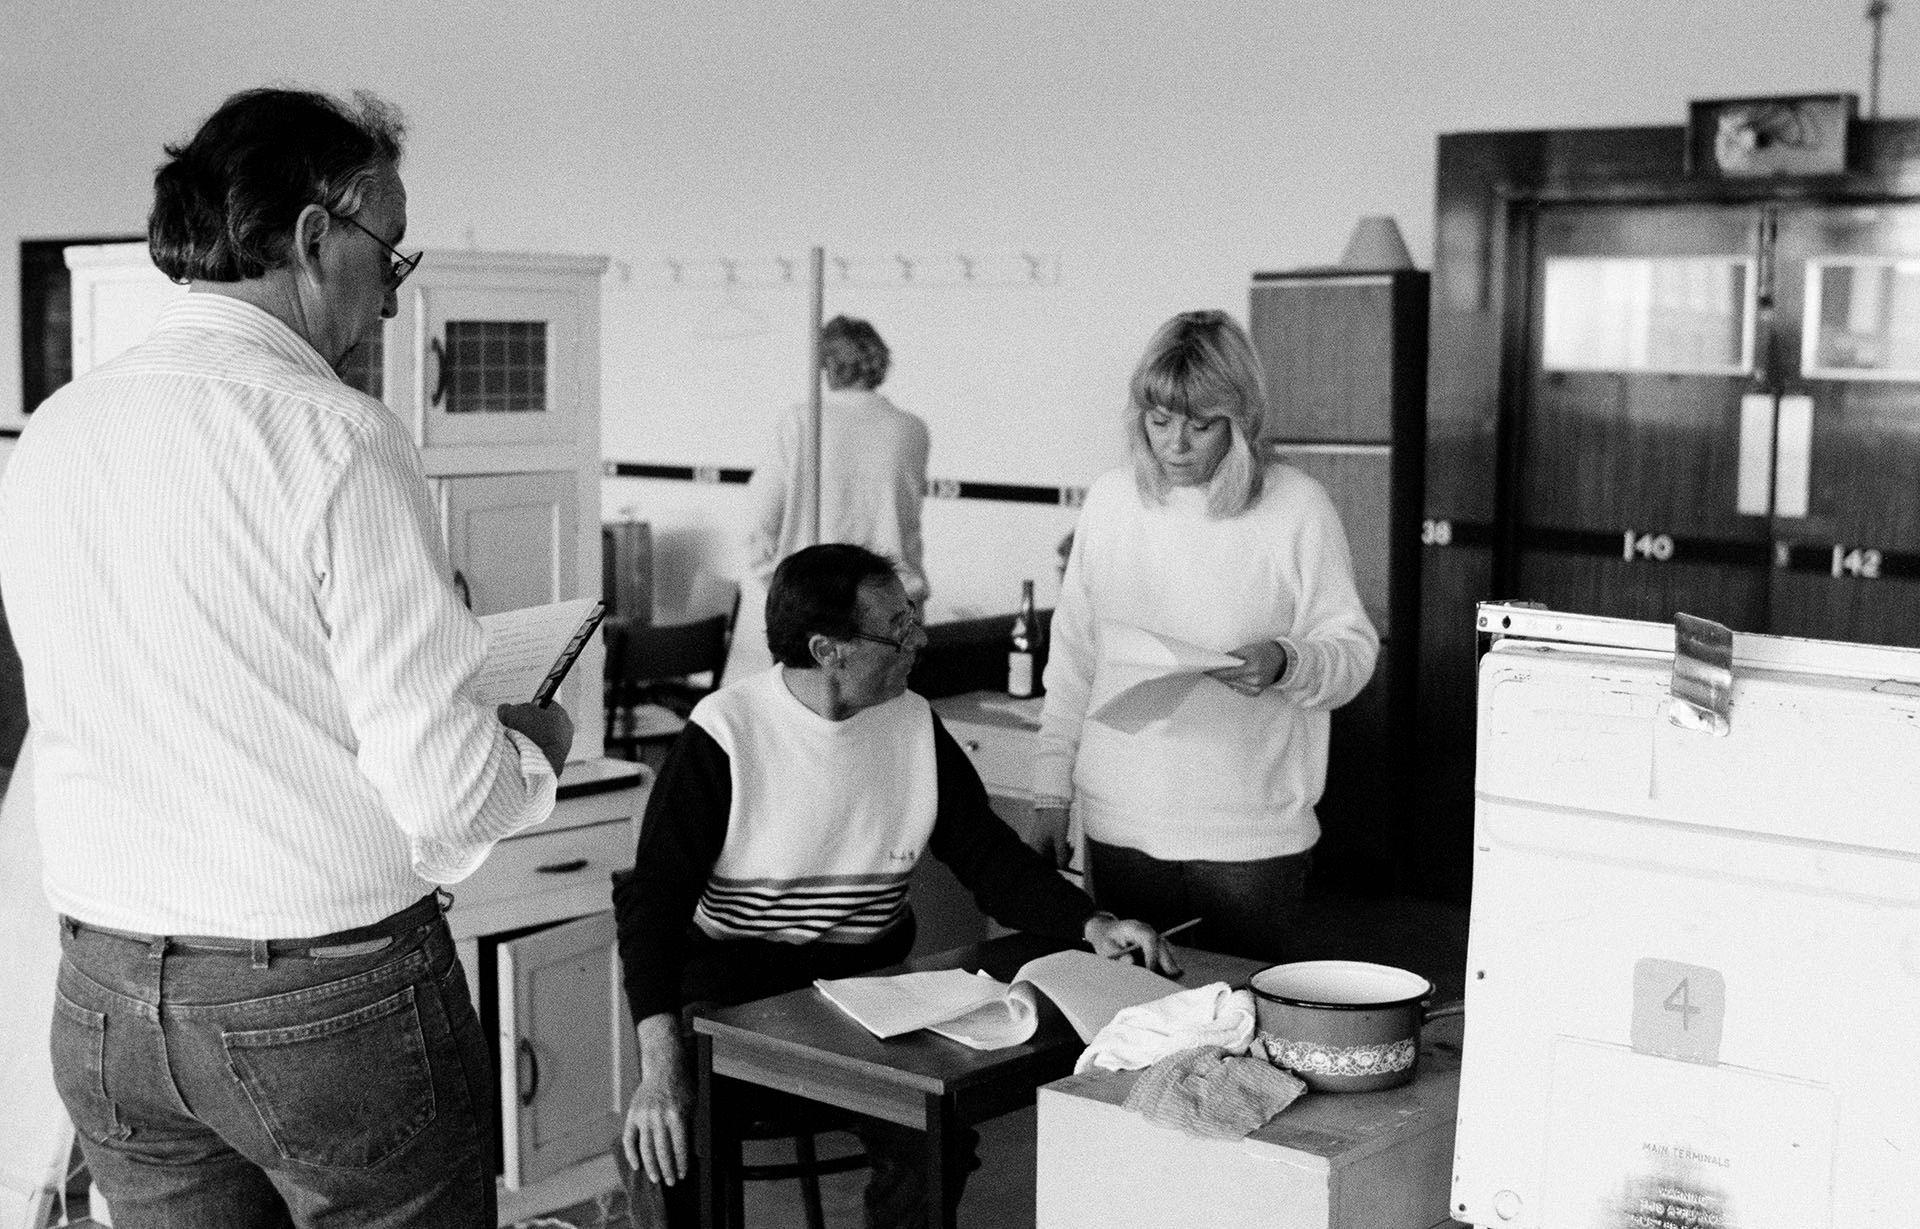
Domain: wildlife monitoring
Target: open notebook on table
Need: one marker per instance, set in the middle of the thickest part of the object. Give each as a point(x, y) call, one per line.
point(976, 1010)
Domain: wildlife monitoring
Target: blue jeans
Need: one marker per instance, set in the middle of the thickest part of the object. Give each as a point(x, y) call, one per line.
point(335, 1082)
point(1245, 908)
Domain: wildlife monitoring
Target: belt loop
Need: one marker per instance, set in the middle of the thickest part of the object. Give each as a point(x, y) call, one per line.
point(158, 948)
point(445, 898)
point(68, 926)
point(262, 954)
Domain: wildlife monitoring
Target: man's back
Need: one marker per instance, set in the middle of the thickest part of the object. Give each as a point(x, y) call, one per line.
point(173, 548)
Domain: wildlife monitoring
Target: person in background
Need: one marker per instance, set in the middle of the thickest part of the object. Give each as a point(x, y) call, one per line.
point(255, 754)
point(1208, 810)
point(873, 477)
point(777, 848)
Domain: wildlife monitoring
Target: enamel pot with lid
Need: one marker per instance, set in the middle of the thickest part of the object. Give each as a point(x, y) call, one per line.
point(1344, 1025)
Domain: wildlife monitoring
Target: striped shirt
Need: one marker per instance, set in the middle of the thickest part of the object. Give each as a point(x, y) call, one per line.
point(789, 841)
point(247, 670)
point(852, 803)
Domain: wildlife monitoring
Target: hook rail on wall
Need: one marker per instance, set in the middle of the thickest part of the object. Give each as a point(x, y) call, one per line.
point(1022, 268)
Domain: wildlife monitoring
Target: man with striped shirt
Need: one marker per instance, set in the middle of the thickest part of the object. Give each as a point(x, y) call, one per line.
point(778, 845)
point(255, 754)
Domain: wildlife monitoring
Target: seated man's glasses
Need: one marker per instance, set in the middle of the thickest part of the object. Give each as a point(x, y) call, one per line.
point(399, 267)
point(902, 628)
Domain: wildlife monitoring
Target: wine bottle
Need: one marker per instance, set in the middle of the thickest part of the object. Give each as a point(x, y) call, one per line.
point(1023, 648)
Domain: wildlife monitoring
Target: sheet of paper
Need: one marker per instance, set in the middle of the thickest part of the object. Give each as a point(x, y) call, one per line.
point(1144, 675)
point(975, 1010)
point(1091, 990)
point(998, 1023)
point(889, 1006)
point(521, 648)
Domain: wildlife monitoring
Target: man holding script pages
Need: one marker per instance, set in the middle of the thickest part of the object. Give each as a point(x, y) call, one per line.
point(256, 752)
point(778, 845)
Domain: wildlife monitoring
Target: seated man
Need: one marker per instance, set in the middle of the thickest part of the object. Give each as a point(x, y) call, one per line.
point(778, 845)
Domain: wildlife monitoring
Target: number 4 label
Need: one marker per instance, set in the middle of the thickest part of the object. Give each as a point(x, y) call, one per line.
point(1678, 1009)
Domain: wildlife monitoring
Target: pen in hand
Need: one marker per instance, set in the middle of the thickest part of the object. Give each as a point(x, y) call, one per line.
point(1168, 933)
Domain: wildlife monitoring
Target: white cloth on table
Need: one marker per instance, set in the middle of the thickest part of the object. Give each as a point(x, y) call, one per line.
point(1140, 1036)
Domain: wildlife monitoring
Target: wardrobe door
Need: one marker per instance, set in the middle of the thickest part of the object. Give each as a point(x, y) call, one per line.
point(1638, 459)
point(1847, 486)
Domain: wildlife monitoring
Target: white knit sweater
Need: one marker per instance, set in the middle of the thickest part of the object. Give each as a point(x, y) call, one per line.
point(1222, 777)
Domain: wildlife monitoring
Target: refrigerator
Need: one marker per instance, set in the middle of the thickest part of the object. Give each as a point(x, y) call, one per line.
point(1693, 980)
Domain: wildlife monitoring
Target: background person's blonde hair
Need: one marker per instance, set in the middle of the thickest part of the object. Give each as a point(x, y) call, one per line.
point(1201, 361)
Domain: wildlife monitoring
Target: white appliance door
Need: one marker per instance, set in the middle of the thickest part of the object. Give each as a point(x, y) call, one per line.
point(1694, 963)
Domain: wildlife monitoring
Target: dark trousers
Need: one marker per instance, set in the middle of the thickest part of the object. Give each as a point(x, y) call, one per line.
point(326, 1083)
point(1245, 908)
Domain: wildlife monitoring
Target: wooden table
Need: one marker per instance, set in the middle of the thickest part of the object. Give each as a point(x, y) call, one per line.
point(799, 1043)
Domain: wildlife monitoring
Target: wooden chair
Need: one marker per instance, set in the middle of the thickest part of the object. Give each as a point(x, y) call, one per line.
point(780, 1117)
point(801, 1121)
point(651, 679)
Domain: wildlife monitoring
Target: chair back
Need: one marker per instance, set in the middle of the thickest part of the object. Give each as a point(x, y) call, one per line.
point(649, 652)
point(649, 677)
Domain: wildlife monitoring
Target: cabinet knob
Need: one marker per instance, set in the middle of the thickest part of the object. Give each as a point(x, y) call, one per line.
point(973, 744)
point(563, 868)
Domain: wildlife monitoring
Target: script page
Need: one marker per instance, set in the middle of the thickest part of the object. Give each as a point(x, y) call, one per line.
point(1144, 675)
point(522, 646)
point(889, 1006)
point(1091, 990)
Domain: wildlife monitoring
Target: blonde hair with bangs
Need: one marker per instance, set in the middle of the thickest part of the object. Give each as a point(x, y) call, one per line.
point(1201, 362)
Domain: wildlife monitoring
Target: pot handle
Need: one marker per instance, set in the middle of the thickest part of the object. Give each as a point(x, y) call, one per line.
point(1452, 1007)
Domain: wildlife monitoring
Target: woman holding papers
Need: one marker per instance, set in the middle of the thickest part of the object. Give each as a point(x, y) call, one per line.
point(1207, 625)
point(778, 844)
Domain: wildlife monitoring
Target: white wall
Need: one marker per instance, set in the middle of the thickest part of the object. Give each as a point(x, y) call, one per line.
point(1162, 151)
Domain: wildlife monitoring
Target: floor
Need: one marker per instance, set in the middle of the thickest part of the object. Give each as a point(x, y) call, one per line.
point(1425, 936)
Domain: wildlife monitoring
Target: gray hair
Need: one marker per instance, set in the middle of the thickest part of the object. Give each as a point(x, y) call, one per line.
point(226, 200)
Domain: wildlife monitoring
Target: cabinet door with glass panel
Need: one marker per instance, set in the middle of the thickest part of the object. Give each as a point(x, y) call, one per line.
point(488, 356)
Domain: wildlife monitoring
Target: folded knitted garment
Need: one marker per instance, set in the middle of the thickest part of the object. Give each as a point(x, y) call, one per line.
point(1138, 1036)
point(1208, 1092)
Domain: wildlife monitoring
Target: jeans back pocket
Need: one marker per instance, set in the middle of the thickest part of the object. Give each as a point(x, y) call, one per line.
point(79, 1041)
point(346, 1092)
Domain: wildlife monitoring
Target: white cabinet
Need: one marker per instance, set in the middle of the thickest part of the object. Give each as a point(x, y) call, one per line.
point(500, 362)
point(493, 364)
point(536, 936)
point(510, 538)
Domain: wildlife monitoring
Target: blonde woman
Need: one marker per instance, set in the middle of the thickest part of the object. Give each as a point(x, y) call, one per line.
point(1208, 810)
